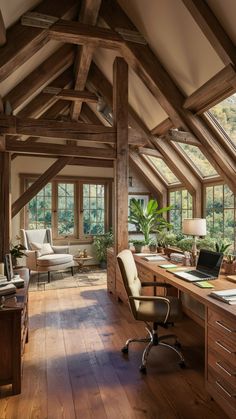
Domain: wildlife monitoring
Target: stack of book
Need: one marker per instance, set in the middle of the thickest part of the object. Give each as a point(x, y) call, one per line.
point(227, 296)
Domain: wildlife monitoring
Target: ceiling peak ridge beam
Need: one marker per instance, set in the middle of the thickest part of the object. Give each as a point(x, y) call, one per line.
point(23, 42)
point(52, 171)
point(183, 137)
point(157, 80)
point(50, 69)
point(212, 29)
point(88, 14)
point(99, 81)
point(59, 130)
point(154, 76)
point(57, 150)
point(3, 38)
point(220, 86)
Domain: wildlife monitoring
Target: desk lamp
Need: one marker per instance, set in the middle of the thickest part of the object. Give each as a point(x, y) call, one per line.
point(194, 227)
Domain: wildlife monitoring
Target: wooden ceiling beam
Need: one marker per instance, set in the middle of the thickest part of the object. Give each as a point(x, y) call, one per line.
point(156, 186)
point(212, 29)
point(3, 38)
point(75, 161)
point(144, 62)
point(80, 34)
point(182, 137)
point(222, 85)
point(88, 116)
point(58, 150)
point(88, 14)
point(23, 42)
point(58, 62)
point(71, 95)
point(39, 184)
point(59, 130)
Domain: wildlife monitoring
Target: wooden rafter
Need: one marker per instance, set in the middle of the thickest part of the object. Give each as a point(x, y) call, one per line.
point(58, 62)
point(23, 42)
point(150, 152)
point(3, 38)
point(88, 14)
point(75, 161)
point(61, 150)
point(36, 187)
point(212, 29)
point(53, 129)
point(162, 128)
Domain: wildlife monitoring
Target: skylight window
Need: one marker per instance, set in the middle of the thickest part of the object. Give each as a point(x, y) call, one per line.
point(163, 170)
point(225, 114)
point(198, 159)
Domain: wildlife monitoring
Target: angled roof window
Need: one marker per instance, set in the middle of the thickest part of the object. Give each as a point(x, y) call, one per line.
point(224, 116)
point(195, 155)
point(163, 170)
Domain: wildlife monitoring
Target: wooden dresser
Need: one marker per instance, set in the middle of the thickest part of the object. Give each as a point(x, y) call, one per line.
point(14, 335)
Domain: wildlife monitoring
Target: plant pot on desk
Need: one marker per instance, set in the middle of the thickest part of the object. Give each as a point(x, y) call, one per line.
point(229, 268)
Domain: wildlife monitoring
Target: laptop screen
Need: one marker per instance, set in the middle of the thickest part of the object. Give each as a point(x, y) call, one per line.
point(209, 262)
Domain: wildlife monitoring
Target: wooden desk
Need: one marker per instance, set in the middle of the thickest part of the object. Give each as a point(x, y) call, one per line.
point(13, 336)
point(220, 333)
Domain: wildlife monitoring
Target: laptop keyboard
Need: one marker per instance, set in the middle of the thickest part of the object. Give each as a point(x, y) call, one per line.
point(198, 274)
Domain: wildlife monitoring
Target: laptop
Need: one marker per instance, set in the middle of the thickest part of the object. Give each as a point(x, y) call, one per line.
point(208, 267)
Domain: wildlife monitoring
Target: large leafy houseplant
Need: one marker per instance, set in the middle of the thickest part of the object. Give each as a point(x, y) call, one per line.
point(147, 218)
point(101, 244)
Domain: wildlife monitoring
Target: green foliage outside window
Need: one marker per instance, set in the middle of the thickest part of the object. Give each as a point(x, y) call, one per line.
point(225, 114)
point(182, 207)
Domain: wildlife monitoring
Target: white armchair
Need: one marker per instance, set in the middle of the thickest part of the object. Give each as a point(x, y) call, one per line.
point(41, 255)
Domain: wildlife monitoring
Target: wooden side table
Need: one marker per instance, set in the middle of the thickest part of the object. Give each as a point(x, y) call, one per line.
point(79, 261)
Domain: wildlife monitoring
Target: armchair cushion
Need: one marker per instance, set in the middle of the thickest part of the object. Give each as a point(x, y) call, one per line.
point(43, 248)
point(54, 259)
point(60, 249)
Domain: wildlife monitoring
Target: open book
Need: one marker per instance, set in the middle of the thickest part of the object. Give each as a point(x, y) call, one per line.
point(227, 296)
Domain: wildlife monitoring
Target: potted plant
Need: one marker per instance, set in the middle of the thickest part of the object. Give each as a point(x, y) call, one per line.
point(152, 245)
point(17, 252)
point(138, 245)
point(147, 218)
point(229, 264)
point(101, 244)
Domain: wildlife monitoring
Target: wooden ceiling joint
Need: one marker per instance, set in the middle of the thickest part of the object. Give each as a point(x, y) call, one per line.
point(182, 137)
point(71, 95)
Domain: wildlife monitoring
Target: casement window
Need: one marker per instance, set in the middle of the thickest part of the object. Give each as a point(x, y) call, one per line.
point(182, 207)
point(73, 208)
point(219, 205)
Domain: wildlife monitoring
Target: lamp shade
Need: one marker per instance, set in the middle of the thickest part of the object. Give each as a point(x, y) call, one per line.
point(194, 226)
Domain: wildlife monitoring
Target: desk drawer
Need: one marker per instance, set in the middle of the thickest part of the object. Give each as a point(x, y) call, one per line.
point(224, 324)
point(222, 368)
point(222, 345)
point(224, 389)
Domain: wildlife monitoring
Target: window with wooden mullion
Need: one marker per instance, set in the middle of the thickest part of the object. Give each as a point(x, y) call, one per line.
point(93, 208)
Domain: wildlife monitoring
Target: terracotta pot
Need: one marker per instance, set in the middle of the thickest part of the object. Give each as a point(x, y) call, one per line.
point(229, 268)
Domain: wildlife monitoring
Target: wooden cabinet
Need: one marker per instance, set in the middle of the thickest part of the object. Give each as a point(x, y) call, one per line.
point(221, 359)
point(14, 335)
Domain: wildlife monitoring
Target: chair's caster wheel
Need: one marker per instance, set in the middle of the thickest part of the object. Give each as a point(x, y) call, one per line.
point(143, 369)
point(178, 345)
point(182, 364)
point(125, 350)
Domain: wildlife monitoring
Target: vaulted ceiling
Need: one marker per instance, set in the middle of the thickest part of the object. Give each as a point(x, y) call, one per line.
point(57, 65)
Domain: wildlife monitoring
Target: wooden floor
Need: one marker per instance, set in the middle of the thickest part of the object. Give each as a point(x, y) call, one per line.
point(73, 367)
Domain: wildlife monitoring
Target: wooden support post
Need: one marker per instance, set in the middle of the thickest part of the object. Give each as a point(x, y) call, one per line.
point(5, 203)
point(3, 39)
point(120, 115)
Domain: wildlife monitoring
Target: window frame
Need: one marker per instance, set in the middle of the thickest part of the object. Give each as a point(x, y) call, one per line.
point(78, 181)
point(183, 188)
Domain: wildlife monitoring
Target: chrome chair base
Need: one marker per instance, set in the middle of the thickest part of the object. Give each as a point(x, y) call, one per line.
point(154, 340)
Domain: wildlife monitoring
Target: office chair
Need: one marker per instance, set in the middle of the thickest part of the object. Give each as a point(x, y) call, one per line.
point(158, 310)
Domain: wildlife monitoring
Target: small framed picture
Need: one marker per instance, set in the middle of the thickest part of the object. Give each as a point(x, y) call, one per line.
point(8, 267)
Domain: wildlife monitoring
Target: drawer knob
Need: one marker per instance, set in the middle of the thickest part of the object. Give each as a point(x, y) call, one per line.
point(224, 389)
point(224, 347)
point(224, 327)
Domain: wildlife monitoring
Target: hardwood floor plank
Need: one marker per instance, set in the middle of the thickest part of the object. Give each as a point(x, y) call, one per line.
point(73, 366)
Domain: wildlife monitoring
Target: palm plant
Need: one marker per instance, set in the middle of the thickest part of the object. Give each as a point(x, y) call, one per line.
point(147, 218)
